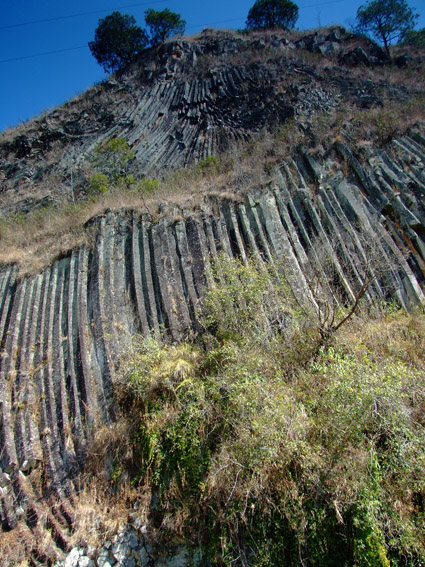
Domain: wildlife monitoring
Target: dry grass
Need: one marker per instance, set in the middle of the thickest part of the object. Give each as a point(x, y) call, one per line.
point(388, 335)
point(99, 514)
point(34, 241)
point(15, 546)
point(38, 239)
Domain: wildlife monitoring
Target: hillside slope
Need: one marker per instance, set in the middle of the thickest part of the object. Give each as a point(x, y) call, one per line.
point(64, 329)
point(186, 100)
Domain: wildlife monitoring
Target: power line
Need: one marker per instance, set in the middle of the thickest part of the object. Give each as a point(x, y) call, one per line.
point(41, 54)
point(78, 15)
point(57, 18)
point(84, 46)
point(128, 6)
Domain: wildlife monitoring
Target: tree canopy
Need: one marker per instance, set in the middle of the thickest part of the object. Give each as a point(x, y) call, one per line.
point(163, 24)
point(272, 14)
point(386, 20)
point(415, 38)
point(117, 41)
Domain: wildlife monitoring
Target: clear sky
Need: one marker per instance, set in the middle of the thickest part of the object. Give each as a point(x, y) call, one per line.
point(35, 79)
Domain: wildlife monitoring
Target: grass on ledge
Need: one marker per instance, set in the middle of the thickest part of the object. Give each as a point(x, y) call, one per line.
point(35, 240)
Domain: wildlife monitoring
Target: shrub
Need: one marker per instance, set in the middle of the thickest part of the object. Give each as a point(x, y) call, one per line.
point(112, 159)
point(263, 466)
point(415, 38)
point(98, 183)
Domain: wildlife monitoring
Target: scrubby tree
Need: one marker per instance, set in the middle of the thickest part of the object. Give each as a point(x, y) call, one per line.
point(386, 20)
point(272, 14)
point(163, 24)
point(117, 41)
point(113, 158)
point(414, 37)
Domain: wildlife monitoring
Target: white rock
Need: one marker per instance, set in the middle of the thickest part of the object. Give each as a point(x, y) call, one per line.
point(72, 558)
point(103, 561)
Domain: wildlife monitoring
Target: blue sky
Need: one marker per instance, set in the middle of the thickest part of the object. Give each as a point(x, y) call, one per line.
point(31, 27)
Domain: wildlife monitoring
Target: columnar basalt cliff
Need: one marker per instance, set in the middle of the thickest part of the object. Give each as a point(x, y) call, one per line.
point(63, 330)
point(185, 101)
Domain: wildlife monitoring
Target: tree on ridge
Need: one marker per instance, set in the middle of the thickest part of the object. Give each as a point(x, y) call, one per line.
point(386, 20)
point(271, 14)
point(117, 41)
point(163, 24)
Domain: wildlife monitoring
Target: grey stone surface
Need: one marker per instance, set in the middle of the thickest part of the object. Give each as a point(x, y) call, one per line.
point(173, 110)
point(63, 330)
point(67, 326)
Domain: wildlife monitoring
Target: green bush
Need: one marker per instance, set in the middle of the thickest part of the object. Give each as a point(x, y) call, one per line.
point(112, 159)
point(263, 465)
point(111, 162)
point(98, 183)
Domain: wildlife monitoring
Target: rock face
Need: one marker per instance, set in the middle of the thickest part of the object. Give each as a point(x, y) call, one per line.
point(63, 330)
point(182, 102)
point(130, 548)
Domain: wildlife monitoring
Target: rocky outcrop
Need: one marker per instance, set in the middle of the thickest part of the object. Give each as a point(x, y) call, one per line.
point(131, 548)
point(62, 331)
point(182, 102)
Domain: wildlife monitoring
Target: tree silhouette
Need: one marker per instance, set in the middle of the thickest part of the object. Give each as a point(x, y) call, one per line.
point(117, 41)
point(386, 20)
point(272, 14)
point(163, 24)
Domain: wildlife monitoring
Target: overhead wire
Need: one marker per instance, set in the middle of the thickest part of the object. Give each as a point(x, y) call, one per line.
point(42, 54)
point(10, 26)
point(194, 26)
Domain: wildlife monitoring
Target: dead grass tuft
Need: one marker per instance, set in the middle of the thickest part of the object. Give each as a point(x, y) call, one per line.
point(99, 513)
point(16, 546)
point(388, 335)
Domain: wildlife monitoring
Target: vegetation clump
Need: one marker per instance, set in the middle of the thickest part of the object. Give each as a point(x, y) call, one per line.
point(117, 41)
point(416, 38)
point(272, 14)
point(163, 24)
point(386, 20)
point(266, 449)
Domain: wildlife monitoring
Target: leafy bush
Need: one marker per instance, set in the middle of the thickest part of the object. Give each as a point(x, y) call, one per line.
point(415, 38)
point(98, 183)
point(112, 159)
